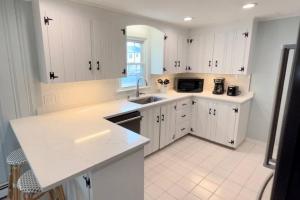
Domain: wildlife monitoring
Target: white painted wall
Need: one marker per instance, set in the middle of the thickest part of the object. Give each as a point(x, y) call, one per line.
point(271, 36)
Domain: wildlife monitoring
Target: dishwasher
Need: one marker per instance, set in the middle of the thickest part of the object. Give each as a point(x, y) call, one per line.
point(130, 121)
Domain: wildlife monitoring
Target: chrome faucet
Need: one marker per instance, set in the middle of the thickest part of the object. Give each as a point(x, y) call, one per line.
point(138, 93)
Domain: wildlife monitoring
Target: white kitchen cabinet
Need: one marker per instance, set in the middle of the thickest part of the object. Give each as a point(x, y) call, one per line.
point(77, 44)
point(241, 50)
point(150, 128)
point(176, 46)
point(221, 49)
point(221, 122)
point(168, 124)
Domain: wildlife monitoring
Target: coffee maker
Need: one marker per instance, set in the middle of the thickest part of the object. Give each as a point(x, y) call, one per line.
point(219, 86)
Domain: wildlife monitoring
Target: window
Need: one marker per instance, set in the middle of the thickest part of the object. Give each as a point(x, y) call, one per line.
point(135, 64)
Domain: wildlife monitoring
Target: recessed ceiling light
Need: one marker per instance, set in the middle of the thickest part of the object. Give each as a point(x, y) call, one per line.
point(188, 19)
point(249, 5)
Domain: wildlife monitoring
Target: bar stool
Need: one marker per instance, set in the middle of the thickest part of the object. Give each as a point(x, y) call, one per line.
point(15, 160)
point(31, 190)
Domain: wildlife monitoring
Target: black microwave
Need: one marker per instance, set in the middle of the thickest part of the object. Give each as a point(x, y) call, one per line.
point(189, 84)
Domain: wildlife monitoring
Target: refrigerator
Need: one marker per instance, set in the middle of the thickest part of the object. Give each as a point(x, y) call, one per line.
point(283, 147)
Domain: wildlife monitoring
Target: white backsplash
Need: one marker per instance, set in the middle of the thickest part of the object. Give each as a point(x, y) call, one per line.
point(57, 97)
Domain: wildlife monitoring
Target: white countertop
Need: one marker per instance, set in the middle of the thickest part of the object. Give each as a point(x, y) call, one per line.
point(61, 145)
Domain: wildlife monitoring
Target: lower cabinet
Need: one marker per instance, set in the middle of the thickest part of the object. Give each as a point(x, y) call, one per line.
point(165, 123)
point(221, 122)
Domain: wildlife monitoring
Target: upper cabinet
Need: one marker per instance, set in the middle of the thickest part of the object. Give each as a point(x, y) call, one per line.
point(221, 50)
point(75, 43)
point(176, 47)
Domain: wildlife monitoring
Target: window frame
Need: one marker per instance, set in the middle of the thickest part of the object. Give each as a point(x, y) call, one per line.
point(143, 62)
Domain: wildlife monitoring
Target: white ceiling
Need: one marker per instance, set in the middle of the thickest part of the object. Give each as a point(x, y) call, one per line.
point(203, 11)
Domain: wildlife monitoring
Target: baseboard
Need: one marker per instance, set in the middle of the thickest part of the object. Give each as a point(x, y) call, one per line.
point(3, 190)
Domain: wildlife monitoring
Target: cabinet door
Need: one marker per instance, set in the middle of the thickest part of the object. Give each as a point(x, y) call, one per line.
point(240, 51)
point(194, 52)
point(226, 123)
point(201, 118)
point(83, 49)
point(170, 53)
point(53, 42)
point(219, 54)
point(102, 47)
point(207, 47)
point(118, 50)
point(212, 121)
point(168, 124)
point(182, 48)
point(150, 128)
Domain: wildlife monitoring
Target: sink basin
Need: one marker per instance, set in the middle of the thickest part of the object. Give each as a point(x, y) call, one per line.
point(146, 100)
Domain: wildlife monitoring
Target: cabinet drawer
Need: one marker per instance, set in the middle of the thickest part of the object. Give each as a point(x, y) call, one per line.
point(183, 128)
point(183, 115)
point(185, 103)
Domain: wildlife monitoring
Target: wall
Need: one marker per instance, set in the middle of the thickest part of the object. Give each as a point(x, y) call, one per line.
point(18, 77)
point(271, 36)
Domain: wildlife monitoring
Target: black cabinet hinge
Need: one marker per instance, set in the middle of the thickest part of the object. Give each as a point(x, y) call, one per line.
point(231, 142)
point(241, 69)
point(164, 69)
point(47, 20)
point(175, 107)
point(246, 34)
point(123, 31)
point(236, 110)
point(52, 76)
point(165, 37)
point(87, 181)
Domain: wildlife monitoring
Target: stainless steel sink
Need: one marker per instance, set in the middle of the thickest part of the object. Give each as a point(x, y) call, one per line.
point(146, 100)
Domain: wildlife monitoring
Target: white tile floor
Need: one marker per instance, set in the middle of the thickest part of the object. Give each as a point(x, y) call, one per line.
point(193, 169)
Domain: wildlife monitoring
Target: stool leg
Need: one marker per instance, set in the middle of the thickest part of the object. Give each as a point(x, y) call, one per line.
point(52, 194)
point(16, 172)
point(60, 193)
point(10, 183)
point(28, 196)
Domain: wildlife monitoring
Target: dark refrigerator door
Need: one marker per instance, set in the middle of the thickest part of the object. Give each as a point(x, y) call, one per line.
point(287, 171)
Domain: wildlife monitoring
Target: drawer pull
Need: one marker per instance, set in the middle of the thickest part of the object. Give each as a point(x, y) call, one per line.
point(183, 116)
point(184, 104)
point(182, 129)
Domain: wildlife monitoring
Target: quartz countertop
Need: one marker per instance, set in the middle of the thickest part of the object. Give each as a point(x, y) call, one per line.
point(65, 144)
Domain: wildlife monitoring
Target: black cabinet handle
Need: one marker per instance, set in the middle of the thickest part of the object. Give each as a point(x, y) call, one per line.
point(98, 65)
point(184, 104)
point(52, 76)
point(164, 69)
point(178, 63)
point(183, 116)
point(162, 117)
point(87, 181)
point(157, 119)
point(209, 111)
point(90, 63)
point(175, 64)
point(214, 112)
point(216, 65)
point(182, 129)
point(209, 63)
point(124, 72)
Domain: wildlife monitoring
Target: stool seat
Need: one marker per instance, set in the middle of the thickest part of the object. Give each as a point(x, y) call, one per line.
point(16, 157)
point(27, 183)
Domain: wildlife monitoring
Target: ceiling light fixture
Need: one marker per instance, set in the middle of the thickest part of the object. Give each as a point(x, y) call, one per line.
point(188, 19)
point(249, 5)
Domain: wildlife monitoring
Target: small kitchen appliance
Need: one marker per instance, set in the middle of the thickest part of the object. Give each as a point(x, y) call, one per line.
point(189, 85)
point(233, 90)
point(219, 86)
